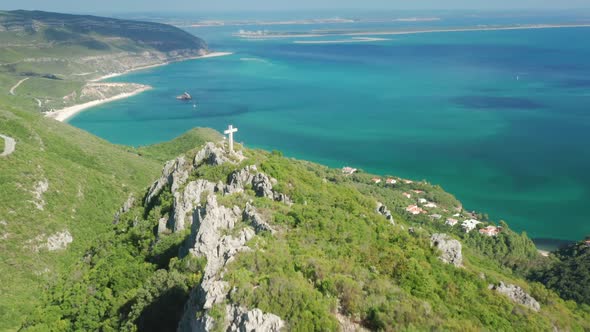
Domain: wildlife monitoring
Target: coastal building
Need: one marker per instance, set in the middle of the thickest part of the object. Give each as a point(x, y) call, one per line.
point(469, 225)
point(587, 242)
point(490, 231)
point(348, 170)
point(422, 201)
point(414, 209)
point(451, 222)
point(376, 180)
point(391, 181)
point(408, 181)
point(407, 195)
point(431, 205)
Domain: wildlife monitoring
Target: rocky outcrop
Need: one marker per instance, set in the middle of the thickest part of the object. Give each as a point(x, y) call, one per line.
point(186, 201)
point(238, 180)
point(252, 217)
point(450, 249)
point(255, 320)
point(40, 188)
point(517, 295)
point(209, 239)
point(59, 241)
point(175, 174)
point(262, 186)
point(124, 209)
point(382, 210)
point(212, 154)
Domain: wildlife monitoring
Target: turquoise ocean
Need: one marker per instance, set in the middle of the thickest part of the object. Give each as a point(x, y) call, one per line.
point(501, 119)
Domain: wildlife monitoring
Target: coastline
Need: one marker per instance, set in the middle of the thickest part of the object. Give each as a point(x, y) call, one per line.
point(205, 56)
point(411, 32)
point(64, 114)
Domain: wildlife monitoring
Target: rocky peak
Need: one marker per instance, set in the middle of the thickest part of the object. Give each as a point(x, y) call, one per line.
point(449, 247)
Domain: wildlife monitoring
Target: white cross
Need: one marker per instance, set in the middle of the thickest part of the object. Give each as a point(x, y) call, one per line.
point(230, 131)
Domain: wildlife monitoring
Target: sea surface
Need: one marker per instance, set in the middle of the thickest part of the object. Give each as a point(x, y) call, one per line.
point(501, 119)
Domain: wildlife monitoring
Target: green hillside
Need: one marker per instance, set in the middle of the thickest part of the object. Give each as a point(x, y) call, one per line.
point(330, 260)
point(57, 54)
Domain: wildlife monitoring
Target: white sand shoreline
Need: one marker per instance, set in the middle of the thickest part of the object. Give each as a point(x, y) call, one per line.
point(410, 32)
point(64, 114)
point(68, 112)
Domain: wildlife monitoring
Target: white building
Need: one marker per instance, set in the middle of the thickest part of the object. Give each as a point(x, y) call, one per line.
point(469, 225)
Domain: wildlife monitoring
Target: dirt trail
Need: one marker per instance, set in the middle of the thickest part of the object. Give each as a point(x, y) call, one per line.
point(17, 84)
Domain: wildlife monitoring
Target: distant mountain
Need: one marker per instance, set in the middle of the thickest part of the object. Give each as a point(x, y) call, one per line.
point(59, 53)
point(90, 30)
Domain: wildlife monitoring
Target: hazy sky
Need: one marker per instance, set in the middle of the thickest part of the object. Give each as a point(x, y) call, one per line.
point(258, 5)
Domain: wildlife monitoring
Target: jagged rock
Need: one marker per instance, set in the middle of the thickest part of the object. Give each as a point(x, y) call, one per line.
point(517, 295)
point(125, 208)
point(59, 241)
point(162, 225)
point(255, 320)
point(211, 221)
point(382, 210)
point(262, 186)
point(252, 217)
point(280, 197)
point(185, 202)
point(210, 155)
point(239, 179)
point(175, 173)
point(449, 247)
point(347, 325)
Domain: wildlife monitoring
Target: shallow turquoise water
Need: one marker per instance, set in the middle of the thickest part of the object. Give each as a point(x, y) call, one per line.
point(499, 118)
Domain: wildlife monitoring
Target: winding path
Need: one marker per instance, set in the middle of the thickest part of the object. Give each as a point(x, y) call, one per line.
point(17, 84)
point(9, 145)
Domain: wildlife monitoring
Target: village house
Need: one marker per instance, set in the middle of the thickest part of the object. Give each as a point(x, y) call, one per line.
point(376, 180)
point(587, 242)
point(451, 222)
point(408, 181)
point(422, 201)
point(490, 230)
point(431, 205)
point(391, 181)
point(414, 209)
point(407, 195)
point(469, 225)
point(348, 170)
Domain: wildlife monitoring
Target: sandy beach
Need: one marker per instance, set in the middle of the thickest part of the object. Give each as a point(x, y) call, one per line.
point(68, 112)
point(316, 34)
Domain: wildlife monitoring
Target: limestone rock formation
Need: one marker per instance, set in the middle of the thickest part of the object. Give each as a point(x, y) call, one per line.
point(211, 155)
point(382, 210)
point(207, 239)
point(187, 200)
point(255, 320)
point(517, 295)
point(40, 188)
point(125, 208)
point(239, 179)
point(262, 186)
point(59, 241)
point(449, 247)
point(175, 174)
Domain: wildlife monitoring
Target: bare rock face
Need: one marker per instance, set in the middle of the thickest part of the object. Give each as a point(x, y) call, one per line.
point(40, 188)
point(517, 295)
point(262, 186)
point(59, 241)
point(187, 200)
point(175, 173)
point(207, 239)
point(239, 179)
point(252, 217)
point(255, 320)
point(449, 247)
point(124, 209)
point(210, 155)
point(382, 210)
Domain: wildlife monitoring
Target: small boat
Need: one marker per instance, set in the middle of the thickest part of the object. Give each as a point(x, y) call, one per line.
point(194, 105)
point(185, 96)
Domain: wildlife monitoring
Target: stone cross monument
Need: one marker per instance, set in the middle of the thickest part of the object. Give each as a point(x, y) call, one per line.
point(230, 131)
